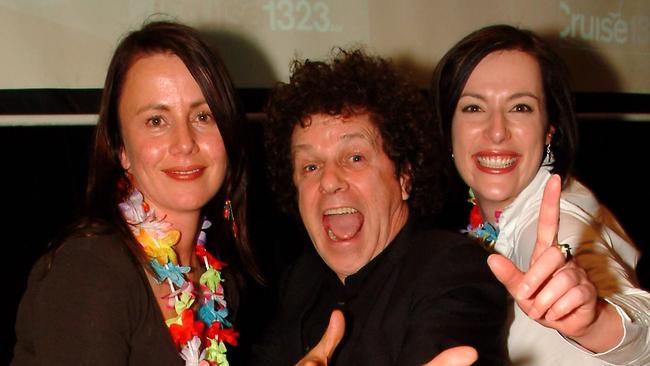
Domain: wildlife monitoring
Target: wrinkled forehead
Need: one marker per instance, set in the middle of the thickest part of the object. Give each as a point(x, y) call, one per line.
point(320, 130)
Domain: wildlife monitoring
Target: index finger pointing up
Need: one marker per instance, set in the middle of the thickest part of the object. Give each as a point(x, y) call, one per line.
point(549, 216)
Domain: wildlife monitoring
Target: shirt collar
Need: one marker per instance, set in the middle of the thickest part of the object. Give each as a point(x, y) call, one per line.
point(387, 259)
point(518, 209)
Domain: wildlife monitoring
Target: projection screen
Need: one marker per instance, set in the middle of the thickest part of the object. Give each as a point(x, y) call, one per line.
point(66, 44)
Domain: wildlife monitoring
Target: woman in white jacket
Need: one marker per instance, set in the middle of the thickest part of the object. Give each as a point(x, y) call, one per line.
point(504, 104)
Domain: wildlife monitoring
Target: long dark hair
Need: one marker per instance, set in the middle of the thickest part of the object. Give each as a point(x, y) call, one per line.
point(456, 66)
point(107, 179)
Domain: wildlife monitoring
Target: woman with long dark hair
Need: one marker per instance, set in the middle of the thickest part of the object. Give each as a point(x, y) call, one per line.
point(505, 107)
point(142, 278)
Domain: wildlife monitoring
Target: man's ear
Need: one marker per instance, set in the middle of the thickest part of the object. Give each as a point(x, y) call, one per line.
point(405, 181)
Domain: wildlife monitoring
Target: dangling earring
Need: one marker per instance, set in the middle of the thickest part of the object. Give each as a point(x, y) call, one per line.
point(228, 215)
point(549, 159)
point(125, 183)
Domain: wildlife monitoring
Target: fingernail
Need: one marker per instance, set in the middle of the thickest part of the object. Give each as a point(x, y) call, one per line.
point(533, 313)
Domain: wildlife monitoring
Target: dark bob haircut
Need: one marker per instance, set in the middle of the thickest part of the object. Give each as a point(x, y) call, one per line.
point(107, 179)
point(456, 66)
point(353, 83)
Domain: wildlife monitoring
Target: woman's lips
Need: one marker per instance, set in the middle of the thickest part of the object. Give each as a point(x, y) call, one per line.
point(185, 173)
point(496, 162)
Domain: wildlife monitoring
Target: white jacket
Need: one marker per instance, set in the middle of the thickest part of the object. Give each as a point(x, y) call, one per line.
point(602, 248)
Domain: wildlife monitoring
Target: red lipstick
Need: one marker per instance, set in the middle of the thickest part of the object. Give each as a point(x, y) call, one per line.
point(185, 173)
point(496, 162)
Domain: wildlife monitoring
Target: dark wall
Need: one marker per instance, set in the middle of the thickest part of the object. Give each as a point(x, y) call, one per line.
point(44, 171)
point(42, 183)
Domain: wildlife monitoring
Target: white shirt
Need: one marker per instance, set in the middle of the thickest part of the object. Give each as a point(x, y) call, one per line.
point(602, 248)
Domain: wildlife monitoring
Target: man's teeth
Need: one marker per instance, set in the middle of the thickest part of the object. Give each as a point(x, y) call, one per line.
point(340, 211)
point(496, 162)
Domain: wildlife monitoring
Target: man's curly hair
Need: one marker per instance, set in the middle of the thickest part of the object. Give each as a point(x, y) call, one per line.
point(353, 83)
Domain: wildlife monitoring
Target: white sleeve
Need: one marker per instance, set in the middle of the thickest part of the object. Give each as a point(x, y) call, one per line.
point(615, 282)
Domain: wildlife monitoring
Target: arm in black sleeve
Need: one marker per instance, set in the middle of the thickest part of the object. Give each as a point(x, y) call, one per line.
point(456, 301)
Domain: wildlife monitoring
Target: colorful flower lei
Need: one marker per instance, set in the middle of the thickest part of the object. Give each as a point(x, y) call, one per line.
point(479, 228)
point(201, 342)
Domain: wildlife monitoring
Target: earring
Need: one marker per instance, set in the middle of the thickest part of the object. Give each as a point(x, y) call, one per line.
point(125, 183)
point(549, 159)
point(228, 215)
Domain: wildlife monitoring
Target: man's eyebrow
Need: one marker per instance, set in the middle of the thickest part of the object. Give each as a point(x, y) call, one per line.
point(345, 138)
point(302, 147)
point(354, 135)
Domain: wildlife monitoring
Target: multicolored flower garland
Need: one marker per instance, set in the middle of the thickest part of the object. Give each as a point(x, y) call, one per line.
point(201, 342)
point(479, 228)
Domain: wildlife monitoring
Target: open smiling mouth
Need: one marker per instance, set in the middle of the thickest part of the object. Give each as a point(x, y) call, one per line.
point(342, 223)
point(496, 163)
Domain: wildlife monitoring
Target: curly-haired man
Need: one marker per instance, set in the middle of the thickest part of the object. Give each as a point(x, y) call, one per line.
point(350, 145)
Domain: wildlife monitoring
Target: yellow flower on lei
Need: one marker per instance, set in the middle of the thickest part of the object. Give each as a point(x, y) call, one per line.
point(160, 249)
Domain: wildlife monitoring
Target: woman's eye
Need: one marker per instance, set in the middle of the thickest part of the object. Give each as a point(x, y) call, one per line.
point(471, 108)
point(203, 117)
point(522, 108)
point(356, 158)
point(155, 121)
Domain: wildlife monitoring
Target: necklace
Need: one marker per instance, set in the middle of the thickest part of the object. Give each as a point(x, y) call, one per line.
point(481, 229)
point(201, 341)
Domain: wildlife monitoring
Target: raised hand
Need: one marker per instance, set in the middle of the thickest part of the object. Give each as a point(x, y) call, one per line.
point(322, 352)
point(457, 356)
point(555, 292)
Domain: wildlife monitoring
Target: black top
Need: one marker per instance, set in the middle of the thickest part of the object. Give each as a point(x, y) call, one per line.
point(94, 306)
point(427, 291)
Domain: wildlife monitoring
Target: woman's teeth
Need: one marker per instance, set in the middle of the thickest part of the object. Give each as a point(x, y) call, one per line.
point(185, 172)
point(496, 162)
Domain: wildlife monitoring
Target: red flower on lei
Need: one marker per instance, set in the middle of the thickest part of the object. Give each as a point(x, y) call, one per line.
point(227, 335)
point(182, 333)
point(201, 252)
point(475, 217)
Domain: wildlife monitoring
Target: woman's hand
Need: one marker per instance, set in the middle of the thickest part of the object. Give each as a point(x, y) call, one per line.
point(556, 292)
point(322, 352)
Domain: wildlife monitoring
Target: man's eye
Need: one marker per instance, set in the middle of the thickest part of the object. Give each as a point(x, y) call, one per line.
point(309, 168)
